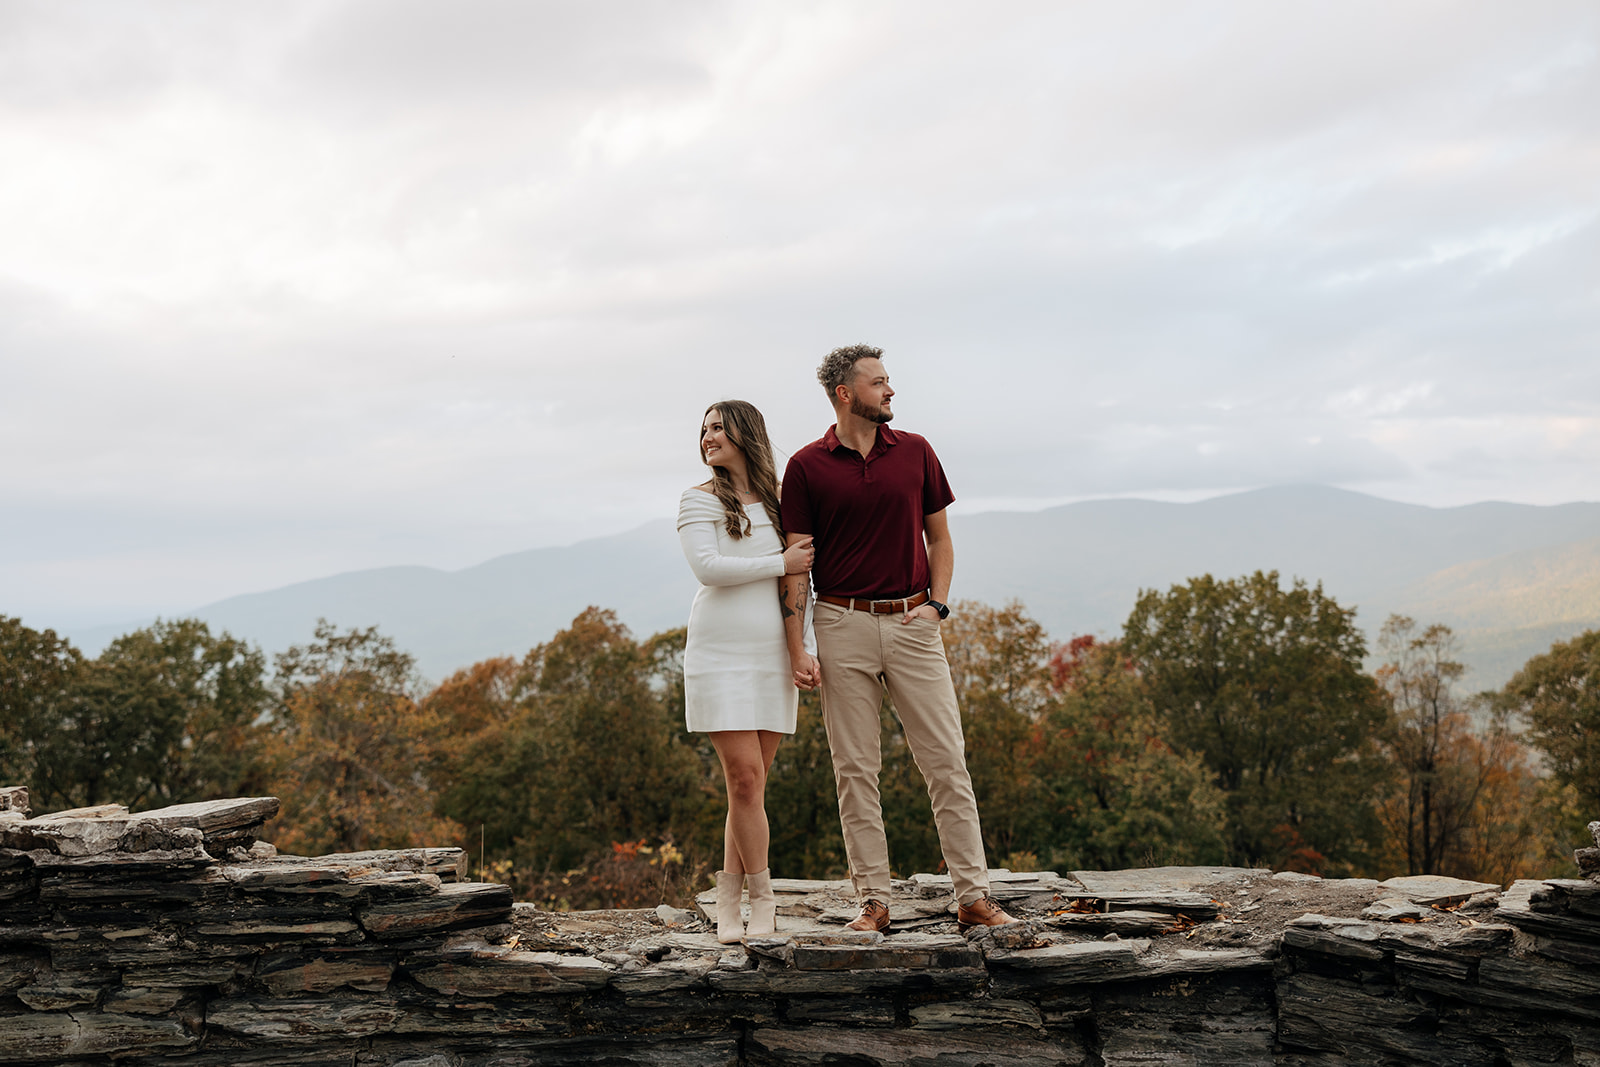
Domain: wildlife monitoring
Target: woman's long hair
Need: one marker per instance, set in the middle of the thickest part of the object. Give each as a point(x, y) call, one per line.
point(746, 428)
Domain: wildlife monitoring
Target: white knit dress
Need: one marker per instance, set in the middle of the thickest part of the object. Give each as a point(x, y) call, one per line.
point(736, 673)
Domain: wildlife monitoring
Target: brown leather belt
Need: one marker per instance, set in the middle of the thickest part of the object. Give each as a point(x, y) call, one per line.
point(876, 607)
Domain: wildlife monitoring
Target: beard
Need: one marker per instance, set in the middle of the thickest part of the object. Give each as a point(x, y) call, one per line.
point(861, 411)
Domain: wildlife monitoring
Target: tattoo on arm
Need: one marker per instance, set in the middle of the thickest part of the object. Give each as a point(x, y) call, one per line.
point(783, 603)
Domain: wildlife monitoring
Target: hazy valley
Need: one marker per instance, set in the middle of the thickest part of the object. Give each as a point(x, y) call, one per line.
point(1509, 578)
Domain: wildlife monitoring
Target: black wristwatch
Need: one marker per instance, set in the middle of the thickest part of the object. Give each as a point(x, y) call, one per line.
point(942, 609)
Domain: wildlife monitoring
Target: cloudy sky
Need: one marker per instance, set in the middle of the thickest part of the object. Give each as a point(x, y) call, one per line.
point(294, 288)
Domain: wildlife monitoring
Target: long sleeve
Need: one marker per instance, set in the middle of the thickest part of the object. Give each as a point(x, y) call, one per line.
point(711, 567)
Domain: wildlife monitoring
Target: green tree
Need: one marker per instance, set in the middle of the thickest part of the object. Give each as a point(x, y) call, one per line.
point(590, 757)
point(1557, 694)
point(186, 706)
point(464, 721)
point(350, 747)
point(38, 677)
point(163, 715)
point(999, 664)
point(1265, 683)
point(1439, 765)
point(1115, 793)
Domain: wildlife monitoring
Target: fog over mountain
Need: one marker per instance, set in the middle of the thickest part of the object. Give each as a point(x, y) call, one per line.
point(297, 288)
point(1511, 578)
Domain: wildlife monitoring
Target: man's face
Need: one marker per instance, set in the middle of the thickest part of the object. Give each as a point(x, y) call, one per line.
point(870, 393)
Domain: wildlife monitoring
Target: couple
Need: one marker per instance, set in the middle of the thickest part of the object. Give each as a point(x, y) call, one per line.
point(863, 510)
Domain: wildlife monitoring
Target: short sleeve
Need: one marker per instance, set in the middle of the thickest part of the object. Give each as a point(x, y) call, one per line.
point(936, 494)
point(795, 504)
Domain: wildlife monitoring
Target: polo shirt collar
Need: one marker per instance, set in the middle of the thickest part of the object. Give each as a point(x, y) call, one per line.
point(887, 438)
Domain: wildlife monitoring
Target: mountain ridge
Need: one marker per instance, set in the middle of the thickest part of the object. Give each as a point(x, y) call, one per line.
point(1482, 568)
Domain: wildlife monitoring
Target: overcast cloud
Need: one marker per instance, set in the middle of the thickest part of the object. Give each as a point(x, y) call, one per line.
point(288, 289)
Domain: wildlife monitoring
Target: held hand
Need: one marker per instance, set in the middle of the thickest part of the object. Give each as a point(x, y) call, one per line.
point(798, 556)
point(922, 611)
point(807, 671)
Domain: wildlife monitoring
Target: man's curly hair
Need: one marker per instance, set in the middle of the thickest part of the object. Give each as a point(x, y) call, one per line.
point(838, 367)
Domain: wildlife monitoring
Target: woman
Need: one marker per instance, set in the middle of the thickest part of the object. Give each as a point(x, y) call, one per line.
point(738, 686)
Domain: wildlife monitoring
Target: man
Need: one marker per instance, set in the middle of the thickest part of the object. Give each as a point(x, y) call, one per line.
point(874, 499)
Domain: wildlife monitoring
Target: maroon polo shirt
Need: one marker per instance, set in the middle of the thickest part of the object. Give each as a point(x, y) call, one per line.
point(866, 512)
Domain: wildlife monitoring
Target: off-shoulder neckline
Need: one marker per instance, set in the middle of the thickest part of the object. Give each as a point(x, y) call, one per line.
point(703, 491)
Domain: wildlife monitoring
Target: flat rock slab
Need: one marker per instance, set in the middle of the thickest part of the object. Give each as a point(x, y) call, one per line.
point(96, 831)
point(450, 864)
point(1532, 984)
point(1537, 907)
point(666, 976)
point(906, 951)
point(786, 981)
point(69, 836)
point(39, 1035)
point(793, 926)
point(494, 974)
point(696, 943)
point(1189, 961)
point(94, 811)
point(827, 1044)
point(1151, 879)
point(1198, 906)
point(1580, 896)
point(213, 816)
point(1398, 910)
point(1089, 961)
point(305, 1018)
point(290, 973)
point(1435, 888)
point(974, 1014)
point(1123, 923)
point(671, 916)
point(1420, 944)
point(127, 877)
point(456, 905)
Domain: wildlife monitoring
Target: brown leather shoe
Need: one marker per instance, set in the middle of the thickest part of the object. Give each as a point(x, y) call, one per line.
point(874, 916)
point(981, 912)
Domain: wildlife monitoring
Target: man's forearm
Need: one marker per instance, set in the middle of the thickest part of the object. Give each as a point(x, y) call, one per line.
point(941, 568)
point(793, 592)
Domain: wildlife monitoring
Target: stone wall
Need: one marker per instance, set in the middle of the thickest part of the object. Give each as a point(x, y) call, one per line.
point(175, 937)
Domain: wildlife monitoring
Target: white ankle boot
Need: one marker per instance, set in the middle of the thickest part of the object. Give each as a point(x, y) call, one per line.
point(730, 926)
point(763, 905)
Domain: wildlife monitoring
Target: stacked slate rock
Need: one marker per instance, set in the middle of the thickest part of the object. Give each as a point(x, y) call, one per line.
point(1559, 918)
point(175, 936)
point(137, 938)
point(1448, 972)
point(1063, 989)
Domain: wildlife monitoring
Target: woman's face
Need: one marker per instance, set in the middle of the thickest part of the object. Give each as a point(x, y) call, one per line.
point(715, 444)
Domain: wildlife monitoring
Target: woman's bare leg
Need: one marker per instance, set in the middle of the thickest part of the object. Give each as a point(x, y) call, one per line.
point(746, 756)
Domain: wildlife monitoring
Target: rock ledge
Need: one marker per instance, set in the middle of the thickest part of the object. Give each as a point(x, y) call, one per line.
point(177, 936)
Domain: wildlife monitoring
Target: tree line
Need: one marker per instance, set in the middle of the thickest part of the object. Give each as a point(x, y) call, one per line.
point(1232, 721)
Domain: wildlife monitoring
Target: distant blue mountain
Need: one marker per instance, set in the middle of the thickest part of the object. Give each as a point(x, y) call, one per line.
point(1077, 568)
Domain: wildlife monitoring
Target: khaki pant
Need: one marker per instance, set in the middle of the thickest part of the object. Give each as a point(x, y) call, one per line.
point(862, 654)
